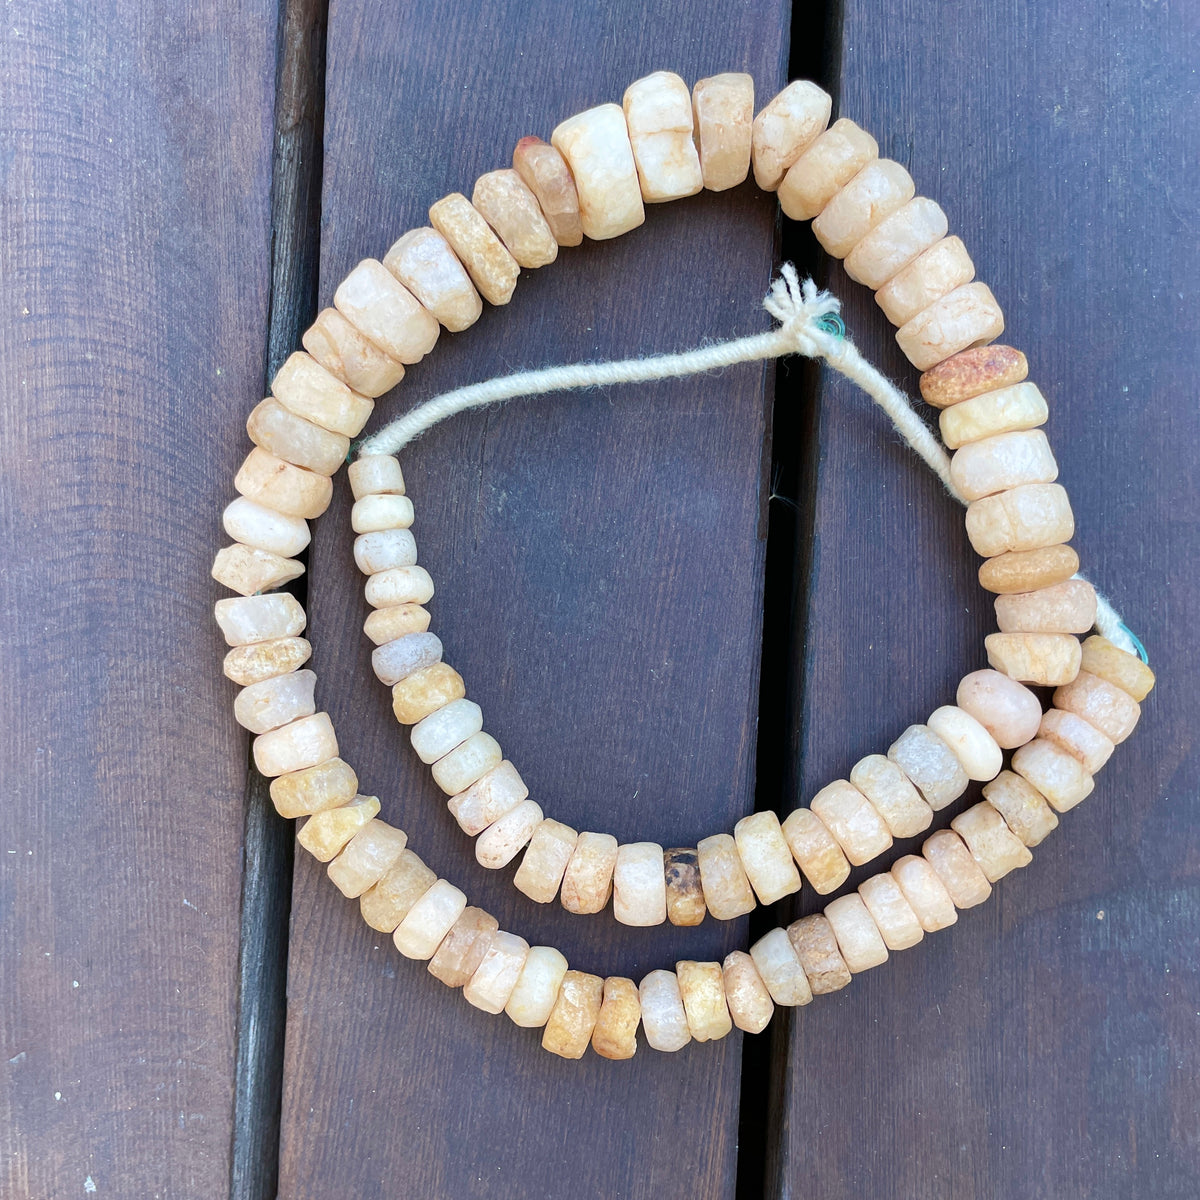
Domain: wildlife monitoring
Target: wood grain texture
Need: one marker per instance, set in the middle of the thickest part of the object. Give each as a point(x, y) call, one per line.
point(1046, 1045)
point(599, 573)
point(135, 168)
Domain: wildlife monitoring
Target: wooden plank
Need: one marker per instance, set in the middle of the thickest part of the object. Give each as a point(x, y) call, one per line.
point(599, 573)
point(1044, 1046)
point(134, 249)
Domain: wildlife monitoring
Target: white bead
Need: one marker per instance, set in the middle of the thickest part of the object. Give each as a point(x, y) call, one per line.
point(381, 512)
point(384, 550)
point(264, 528)
point(439, 733)
point(429, 920)
point(973, 746)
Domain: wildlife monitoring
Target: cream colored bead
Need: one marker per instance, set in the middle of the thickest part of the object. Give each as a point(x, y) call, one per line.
point(853, 820)
point(971, 373)
point(1067, 607)
point(993, 845)
point(292, 439)
point(307, 389)
point(596, 146)
point(896, 241)
point(274, 702)
point(898, 924)
point(815, 850)
point(587, 881)
point(824, 168)
point(1110, 709)
point(328, 784)
point(1120, 668)
point(368, 856)
point(377, 304)
point(723, 878)
point(423, 261)
point(303, 743)
point(658, 115)
point(947, 853)
point(935, 273)
point(450, 726)
point(394, 661)
point(1077, 737)
point(723, 117)
point(246, 570)
point(264, 660)
point(967, 316)
point(384, 550)
point(774, 958)
point(1024, 518)
point(876, 192)
point(468, 763)
point(548, 177)
point(785, 128)
point(664, 1020)
point(546, 858)
point(347, 354)
point(325, 834)
point(429, 921)
point(532, 999)
point(1012, 409)
point(1022, 806)
point(999, 463)
point(376, 475)
point(278, 485)
point(765, 857)
point(1028, 570)
point(685, 892)
point(1008, 710)
point(386, 904)
point(816, 947)
point(425, 691)
point(463, 948)
point(387, 624)
point(399, 585)
point(639, 886)
point(892, 794)
point(372, 514)
point(973, 746)
point(702, 987)
point(615, 1035)
point(749, 1000)
point(1044, 659)
point(569, 1030)
point(512, 210)
point(492, 269)
point(507, 836)
point(496, 976)
point(247, 619)
point(925, 892)
point(488, 799)
point(858, 937)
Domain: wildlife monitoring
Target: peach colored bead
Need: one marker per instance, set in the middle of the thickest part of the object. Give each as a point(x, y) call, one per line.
point(749, 1000)
point(423, 261)
point(815, 850)
point(294, 440)
point(512, 210)
point(325, 834)
point(377, 304)
point(1006, 410)
point(1022, 806)
point(399, 620)
point(785, 128)
point(930, 764)
point(307, 389)
point(702, 987)
point(685, 892)
point(1007, 460)
point(548, 177)
point(727, 891)
point(971, 373)
point(264, 660)
point(964, 317)
point(1044, 659)
point(1028, 570)
point(974, 747)
point(935, 273)
point(429, 921)
point(765, 857)
point(264, 528)
point(892, 794)
point(615, 1034)
point(247, 619)
point(658, 115)
point(374, 514)
point(569, 1030)
point(508, 835)
point(274, 702)
point(497, 974)
point(596, 146)
point(779, 968)
point(376, 475)
point(824, 168)
point(1067, 607)
point(896, 241)
point(399, 585)
point(664, 1020)
point(449, 726)
point(898, 924)
point(384, 550)
point(463, 948)
point(532, 999)
point(488, 799)
point(368, 856)
point(639, 885)
point(853, 820)
point(993, 845)
point(876, 192)
point(467, 764)
point(246, 570)
point(1008, 710)
point(347, 354)
point(587, 881)
point(1120, 668)
point(425, 691)
point(386, 904)
point(276, 484)
point(925, 892)
point(303, 743)
point(492, 269)
point(328, 784)
point(1024, 518)
point(723, 117)
point(546, 858)
point(947, 853)
point(858, 937)
point(816, 947)
point(1112, 711)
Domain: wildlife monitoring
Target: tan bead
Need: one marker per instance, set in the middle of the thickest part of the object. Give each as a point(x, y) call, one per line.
point(930, 764)
point(307, 389)
point(425, 691)
point(488, 799)
point(639, 885)
point(1110, 709)
point(1067, 607)
point(816, 947)
point(303, 743)
point(858, 937)
point(999, 463)
point(429, 921)
point(664, 1020)
point(450, 726)
point(898, 924)
point(386, 904)
point(964, 317)
point(934, 273)
point(376, 475)
point(546, 858)
point(785, 128)
point(264, 528)
point(399, 585)
point(765, 857)
point(1008, 710)
point(292, 439)
point(353, 358)
point(497, 974)
point(423, 261)
point(512, 210)
point(264, 660)
point(615, 1034)
point(658, 115)
point(749, 1000)
point(387, 624)
point(947, 853)
point(368, 856)
point(1024, 518)
point(1022, 806)
point(972, 373)
point(1044, 659)
point(892, 794)
point(876, 192)
point(685, 893)
point(815, 850)
point(492, 269)
point(274, 702)
point(374, 514)
point(1006, 410)
point(853, 820)
point(532, 999)
point(325, 834)
point(993, 845)
point(463, 948)
point(328, 784)
point(1028, 570)
point(896, 241)
point(587, 881)
point(723, 879)
point(973, 746)
point(702, 987)
point(548, 177)
point(278, 485)
point(247, 619)
point(246, 570)
point(384, 550)
point(779, 968)
point(723, 116)
point(1120, 668)
point(508, 835)
point(824, 168)
point(925, 892)
point(468, 763)
point(596, 147)
point(377, 304)
point(573, 1018)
